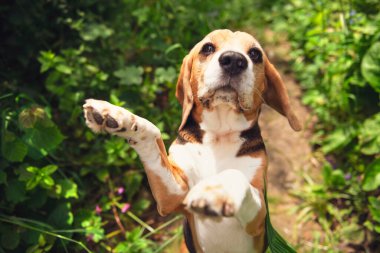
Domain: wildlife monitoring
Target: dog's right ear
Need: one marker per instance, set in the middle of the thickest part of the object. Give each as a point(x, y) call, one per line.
point(184, 93)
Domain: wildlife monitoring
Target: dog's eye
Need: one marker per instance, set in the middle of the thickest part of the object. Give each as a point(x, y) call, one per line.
point(208, 49)
point(255, 55)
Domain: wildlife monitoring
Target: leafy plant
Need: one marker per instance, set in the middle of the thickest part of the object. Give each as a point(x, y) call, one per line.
point(335, 55)
point(63, 189)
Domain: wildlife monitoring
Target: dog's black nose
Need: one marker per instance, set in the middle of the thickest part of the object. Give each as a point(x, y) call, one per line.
point(233, 62)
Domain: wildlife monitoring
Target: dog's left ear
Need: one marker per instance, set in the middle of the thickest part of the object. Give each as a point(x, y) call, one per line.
point(183, 92)
point(276, 95)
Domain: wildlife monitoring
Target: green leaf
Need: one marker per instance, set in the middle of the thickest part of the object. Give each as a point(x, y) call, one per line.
point(371, 179)
point(163, 75)
point(69, 188)
point(41, 240)
point(326, 173)
point(11, 239)
point(64, 69)
point(93, 31)
point(14, 150)
point(370, 66)
point(337, 178)
point(369, 136)
point(47, 182)
point(33, 170)
point(338, 139)
point(15, 191)
point(374, 208)
point(47, 59)
point(37, 198)
point(142, 15)
point(61, 216)
point(102, 174)
point(33, 182)
point(3, 177)
point(49, 169)
point(43, 138)
point(93, 226)
point(133, 180)
point(130, 75)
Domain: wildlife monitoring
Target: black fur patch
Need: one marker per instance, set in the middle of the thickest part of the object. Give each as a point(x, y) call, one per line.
point(188, 237)
point(253, 141)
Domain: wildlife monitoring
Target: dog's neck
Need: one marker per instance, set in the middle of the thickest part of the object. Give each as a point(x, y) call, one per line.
point(223, 121)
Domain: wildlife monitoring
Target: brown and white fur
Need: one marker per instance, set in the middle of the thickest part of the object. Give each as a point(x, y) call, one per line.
point(215, 168)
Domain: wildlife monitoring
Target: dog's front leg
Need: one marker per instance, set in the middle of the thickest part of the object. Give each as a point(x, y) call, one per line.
point(229, 194)
point(167, 181)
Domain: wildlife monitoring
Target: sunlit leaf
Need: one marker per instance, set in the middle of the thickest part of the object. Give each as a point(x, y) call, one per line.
point(69, 188)
point(49, 169)
point(130, 75)
point(163, 75)
point(47, 182)
point(371, 179)
point(369, 136)
point(93, 31)
point(338, 139)
point(374, 207)
point(93, 227)
point(370, 66)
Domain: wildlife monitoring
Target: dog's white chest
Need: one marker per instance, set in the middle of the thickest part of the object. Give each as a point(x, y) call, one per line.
point(202, 161)
point(222, 235)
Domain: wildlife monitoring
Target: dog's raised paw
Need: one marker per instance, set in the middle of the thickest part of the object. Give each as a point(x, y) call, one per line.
point(210, 201)
point(102, 116)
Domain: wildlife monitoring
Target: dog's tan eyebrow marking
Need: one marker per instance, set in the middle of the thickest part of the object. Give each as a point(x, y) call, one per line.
point(253, 141)
point(191, 132)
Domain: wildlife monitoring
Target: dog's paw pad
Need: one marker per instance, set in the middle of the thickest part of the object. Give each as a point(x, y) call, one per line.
point(228, 209)
point(111, 122)
point(98, 118)
point(102, 116)
point(212, 202)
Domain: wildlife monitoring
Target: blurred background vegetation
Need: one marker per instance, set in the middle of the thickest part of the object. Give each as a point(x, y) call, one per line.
point(63, 189)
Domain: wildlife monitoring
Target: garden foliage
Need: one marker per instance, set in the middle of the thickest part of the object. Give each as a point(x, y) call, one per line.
point(336, 57)
point(63, 189)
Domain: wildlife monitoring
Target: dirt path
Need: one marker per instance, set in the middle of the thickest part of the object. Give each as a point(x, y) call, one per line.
point(290, 155)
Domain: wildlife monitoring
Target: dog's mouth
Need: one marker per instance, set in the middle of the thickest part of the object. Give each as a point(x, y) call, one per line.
point(227, 95)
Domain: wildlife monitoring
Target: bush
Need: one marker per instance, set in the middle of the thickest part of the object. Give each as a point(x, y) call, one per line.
point(62, 187)
point(336, 56)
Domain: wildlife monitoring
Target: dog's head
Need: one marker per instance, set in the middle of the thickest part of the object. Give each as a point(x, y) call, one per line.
point(231, 68)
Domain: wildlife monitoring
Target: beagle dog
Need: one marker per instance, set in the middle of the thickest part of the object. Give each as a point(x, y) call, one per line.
point(214, 173)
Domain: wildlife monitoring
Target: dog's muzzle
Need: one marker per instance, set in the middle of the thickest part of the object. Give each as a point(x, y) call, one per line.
point(233, 87)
